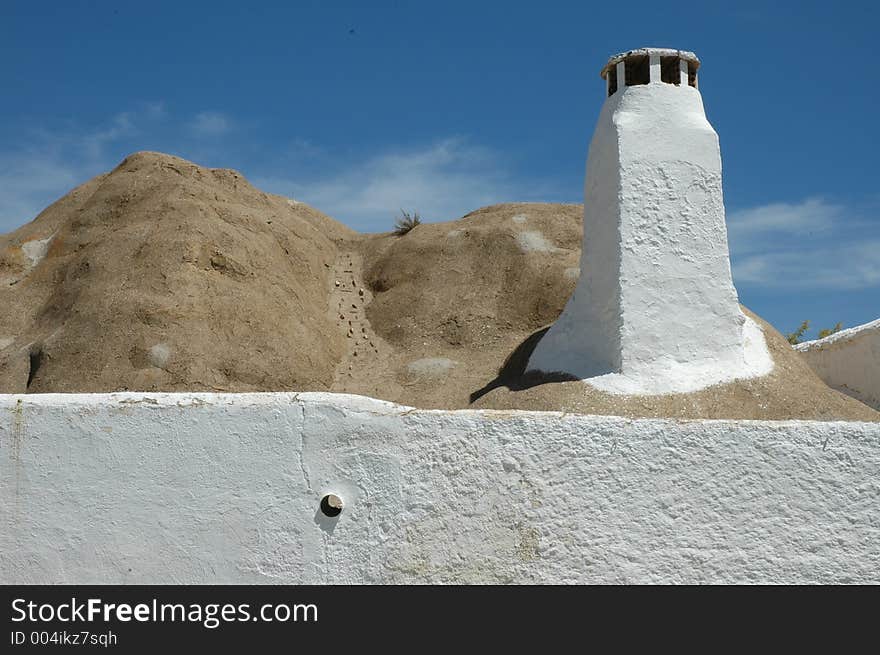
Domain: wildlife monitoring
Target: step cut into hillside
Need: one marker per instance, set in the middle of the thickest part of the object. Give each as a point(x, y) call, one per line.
point(166, 276)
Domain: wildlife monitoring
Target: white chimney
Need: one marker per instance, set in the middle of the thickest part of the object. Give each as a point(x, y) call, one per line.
point(655, 310)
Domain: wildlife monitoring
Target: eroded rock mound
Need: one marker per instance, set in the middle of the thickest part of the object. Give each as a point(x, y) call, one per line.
point(164, 275)
point(452, 299)
point(470, 282)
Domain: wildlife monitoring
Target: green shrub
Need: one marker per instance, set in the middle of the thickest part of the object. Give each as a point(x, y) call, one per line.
point(795, 337)
point(406, 222)
point(827, 333)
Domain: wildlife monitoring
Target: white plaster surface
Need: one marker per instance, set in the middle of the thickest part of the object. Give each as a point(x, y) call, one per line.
point(36, 250)
point(159, 354)
point(225, 488)
point(666, 375)
point(848, 361)
point(534, 241)
point(655, 310)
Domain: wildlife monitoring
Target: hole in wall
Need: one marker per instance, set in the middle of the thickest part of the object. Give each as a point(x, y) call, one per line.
point(379, 285)
point(670, 71)
point(637, 70)
point(36, 357)
point(612, 80)
point(331, 505)
point(692, 74)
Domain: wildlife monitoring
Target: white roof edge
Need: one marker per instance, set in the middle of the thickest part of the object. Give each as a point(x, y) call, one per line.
point(662, 52)
point(843, 335)
point(128, 400)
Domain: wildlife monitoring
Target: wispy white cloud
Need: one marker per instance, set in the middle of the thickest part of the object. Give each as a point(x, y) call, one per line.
point(50, 163)
point(845, 266)
point(155, 110)
point(211, 124)
point(795, 219)
point(94, 142)
point(25, 184)
point(811, 244)
point(442, 181)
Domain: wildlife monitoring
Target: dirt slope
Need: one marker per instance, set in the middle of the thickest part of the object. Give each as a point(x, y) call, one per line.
point(163, 275)
point(450, 301)
point(166, 275)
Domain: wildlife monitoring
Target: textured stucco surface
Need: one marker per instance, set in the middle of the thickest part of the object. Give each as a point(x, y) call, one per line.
point(848, 361)
point(211, 488)
point(655, 310)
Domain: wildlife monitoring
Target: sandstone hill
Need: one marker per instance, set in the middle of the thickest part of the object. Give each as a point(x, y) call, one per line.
point(166, 276)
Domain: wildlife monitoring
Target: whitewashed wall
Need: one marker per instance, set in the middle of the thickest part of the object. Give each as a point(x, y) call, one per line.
point(207, 488)
point(848, 361)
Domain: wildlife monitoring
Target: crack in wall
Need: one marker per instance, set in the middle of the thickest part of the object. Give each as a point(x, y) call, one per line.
point(302, 447)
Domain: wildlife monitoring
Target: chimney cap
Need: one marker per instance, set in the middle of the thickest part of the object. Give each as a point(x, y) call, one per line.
point(641, 52)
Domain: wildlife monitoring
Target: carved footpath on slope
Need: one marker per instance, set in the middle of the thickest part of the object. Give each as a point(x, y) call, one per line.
point(363, 367)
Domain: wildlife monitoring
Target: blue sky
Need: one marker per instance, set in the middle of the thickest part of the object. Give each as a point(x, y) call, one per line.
point(447, 106)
